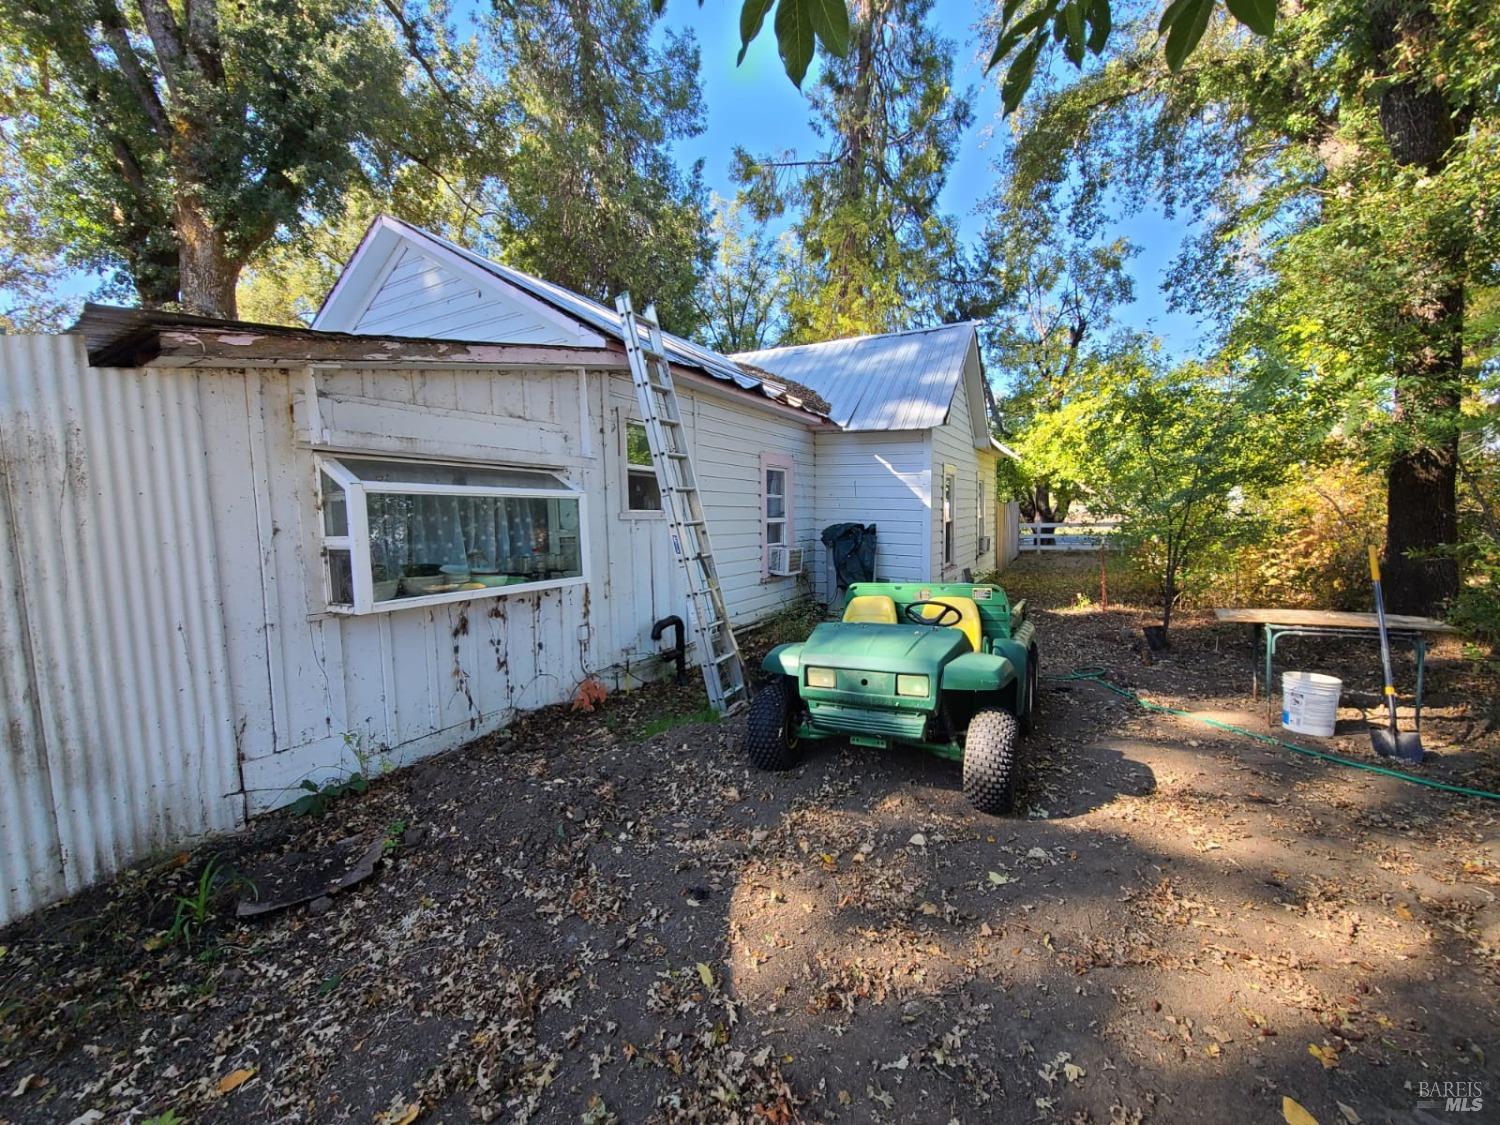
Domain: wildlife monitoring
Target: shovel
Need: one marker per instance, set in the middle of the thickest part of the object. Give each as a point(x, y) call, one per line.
point(1390, 743)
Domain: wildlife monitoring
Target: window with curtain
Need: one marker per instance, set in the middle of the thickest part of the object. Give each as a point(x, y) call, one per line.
point(401, 533)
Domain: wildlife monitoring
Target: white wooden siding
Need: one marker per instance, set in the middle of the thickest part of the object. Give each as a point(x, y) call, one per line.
point(952, 443)
point(644, 582)
point(419, 297)
point(879, 477)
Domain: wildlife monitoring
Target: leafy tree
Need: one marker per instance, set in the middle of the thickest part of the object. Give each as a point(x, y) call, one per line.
point(592, 199)
point(169, 143)
point(740, 301)
point(876, 251)
point(29, 260)
point(1344, 170)
point(1180, 456)
point(1048, 295)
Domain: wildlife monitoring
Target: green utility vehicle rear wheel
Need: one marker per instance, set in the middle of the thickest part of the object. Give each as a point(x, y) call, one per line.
point(1028, 713)
point(990, 761)
point(769, 741)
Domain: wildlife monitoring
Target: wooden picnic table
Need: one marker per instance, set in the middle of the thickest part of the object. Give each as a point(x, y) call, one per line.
point(1273, 624)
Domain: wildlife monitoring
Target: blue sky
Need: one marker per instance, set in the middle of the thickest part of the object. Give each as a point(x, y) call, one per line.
point(757, 107)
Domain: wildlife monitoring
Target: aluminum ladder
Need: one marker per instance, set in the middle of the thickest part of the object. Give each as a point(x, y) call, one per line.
point(723, 670)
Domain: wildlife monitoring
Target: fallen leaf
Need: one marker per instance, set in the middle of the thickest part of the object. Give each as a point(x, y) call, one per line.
point(1325, 1055)
point(1292, 1111)
point(30, 1082)
point(405, 1117)
point(1403, 911)
point(1349, 1115)
point(998, 879)
point(918, 840)
point(1073, 1072)
point(706, 975)
point(235, 1079)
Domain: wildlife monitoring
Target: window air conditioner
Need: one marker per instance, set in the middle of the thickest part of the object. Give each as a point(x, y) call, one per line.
point(786, 561)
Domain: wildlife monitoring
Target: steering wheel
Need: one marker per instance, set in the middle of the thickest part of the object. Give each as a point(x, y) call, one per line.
point(946, 615)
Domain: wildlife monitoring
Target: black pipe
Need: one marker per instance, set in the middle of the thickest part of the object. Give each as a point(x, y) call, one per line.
point(678, 653)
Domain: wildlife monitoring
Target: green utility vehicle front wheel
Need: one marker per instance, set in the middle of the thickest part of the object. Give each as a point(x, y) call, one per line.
point(770, 743)
point(990, 761)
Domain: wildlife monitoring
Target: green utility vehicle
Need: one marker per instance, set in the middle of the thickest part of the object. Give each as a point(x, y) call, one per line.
point(949, 667)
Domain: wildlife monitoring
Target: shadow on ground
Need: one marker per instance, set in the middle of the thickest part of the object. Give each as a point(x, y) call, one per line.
point(574, 923)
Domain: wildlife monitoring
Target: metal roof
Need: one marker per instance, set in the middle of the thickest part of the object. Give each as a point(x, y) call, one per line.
point(900, 381)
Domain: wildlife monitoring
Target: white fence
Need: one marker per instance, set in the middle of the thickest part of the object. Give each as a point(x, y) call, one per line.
point(1080, 536)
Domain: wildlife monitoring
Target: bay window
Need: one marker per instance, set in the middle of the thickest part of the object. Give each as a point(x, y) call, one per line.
point(407, 533)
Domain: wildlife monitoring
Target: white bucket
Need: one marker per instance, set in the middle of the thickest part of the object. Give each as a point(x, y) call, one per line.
point(1310, 702)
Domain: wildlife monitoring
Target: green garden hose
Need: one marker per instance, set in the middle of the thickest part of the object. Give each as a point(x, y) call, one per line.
point(1099, 676)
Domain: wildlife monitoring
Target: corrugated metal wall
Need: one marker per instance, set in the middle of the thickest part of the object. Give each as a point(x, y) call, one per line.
point(113, 693)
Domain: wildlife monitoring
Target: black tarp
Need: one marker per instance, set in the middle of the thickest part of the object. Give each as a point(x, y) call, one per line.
point(853, 549)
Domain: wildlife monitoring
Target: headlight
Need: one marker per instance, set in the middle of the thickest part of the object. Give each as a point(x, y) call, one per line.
point(821, 678)
point(912, 685)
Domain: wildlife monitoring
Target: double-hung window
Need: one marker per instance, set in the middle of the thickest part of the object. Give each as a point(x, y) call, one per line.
point(950, 486)
point(979, 518)
point(776, 505)
point(642, 490)
point(409, 533)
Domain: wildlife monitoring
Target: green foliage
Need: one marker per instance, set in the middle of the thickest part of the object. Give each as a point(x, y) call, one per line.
point(1049, 294)
point(1181, 456)
point(875, 253)
point(664, 723)
point(741, 299)
point(166, 1117)
point(1023, 32)
point(1312, 553)
point(395, 832)
point(195, 909)
point(318, 799)
point(167, 145)
point(1343, 169)
point(592, 102)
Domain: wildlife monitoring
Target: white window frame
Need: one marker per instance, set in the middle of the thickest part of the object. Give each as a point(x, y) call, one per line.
point(357, 542)
point(949, 519)
point(626, 468)
point(978, 508)
point(776, 462)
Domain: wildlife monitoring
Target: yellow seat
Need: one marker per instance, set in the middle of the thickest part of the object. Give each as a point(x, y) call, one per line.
point(968, 623)
point(871, 609)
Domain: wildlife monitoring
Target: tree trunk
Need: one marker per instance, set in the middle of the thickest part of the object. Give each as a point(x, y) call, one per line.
point(207, 273)
point(1421, 570)
point(1419, 126)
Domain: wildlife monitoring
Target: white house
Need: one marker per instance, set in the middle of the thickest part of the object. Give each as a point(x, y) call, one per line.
point(911, 450)
point(235, 557)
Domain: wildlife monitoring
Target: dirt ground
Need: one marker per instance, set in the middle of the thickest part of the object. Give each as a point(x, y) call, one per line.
point(576, 923)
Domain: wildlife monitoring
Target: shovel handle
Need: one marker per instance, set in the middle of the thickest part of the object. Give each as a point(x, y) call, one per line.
point(1374, 564)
